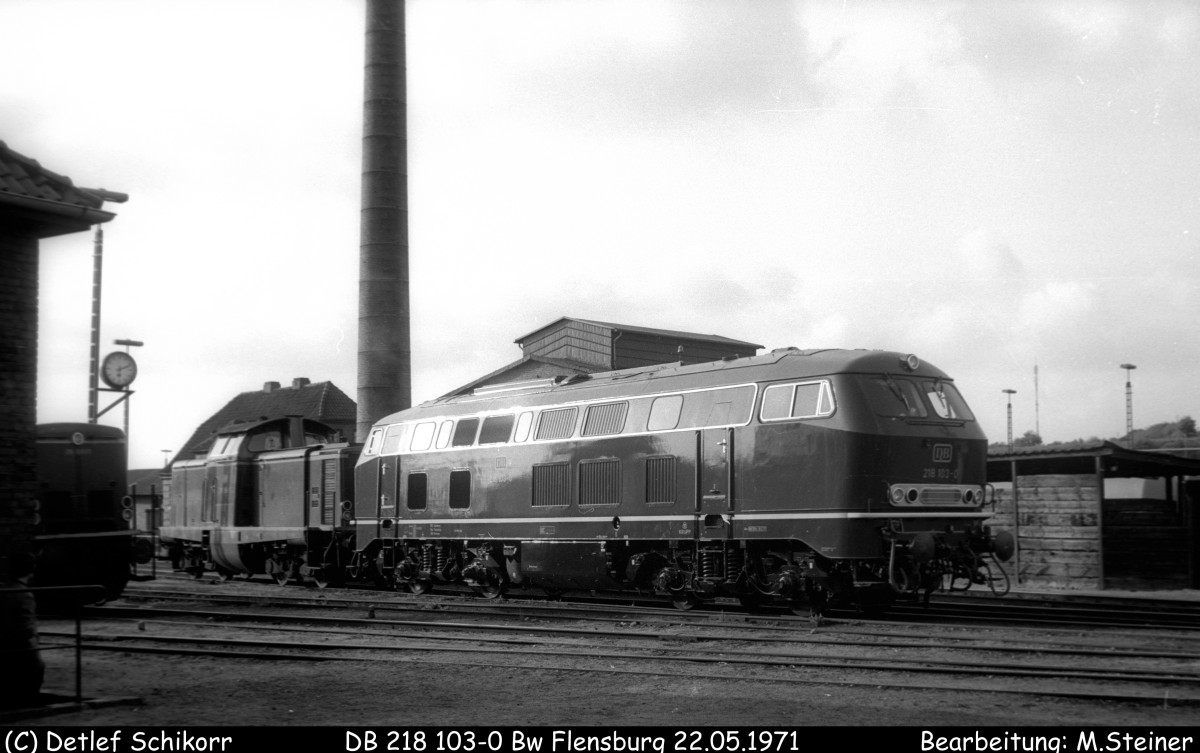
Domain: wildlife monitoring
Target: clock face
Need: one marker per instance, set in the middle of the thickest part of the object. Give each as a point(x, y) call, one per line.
point(119, 369)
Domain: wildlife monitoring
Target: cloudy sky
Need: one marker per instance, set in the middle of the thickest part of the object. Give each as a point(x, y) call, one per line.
point(992, 186)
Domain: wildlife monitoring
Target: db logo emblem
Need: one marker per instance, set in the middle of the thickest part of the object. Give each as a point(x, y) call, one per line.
point(942, 453)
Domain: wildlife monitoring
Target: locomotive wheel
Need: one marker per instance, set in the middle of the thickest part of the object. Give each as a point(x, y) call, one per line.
point(490, 591)
point(684, 601)
point(418, 587)
point(281, 577)
point(225, 575)
point(324, 579)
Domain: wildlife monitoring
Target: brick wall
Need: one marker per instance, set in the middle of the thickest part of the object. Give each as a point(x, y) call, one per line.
point(18, 394)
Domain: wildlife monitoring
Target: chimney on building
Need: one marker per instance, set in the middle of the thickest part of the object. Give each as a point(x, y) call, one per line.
point(299, 382)
point(269, 387)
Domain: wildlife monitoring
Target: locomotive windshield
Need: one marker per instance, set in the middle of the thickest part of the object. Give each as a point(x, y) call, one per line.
point(916, 398)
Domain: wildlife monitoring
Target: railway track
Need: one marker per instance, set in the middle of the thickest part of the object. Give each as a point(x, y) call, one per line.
point(255, 623)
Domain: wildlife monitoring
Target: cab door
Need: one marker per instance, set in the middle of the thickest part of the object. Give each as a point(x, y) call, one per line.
point(714, 483)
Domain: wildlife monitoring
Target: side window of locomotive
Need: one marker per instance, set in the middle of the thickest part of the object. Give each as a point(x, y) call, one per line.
point(664, 413)
point(460, 490)
point(496, 429)
point(557, 424)
point(417, 497)
point(524, 424)
point(812, 400)
point(422, 436)
point(804, 400)
point(898, 398)
point(373, 442)
point(265, 441)
point(393, 438)
point(443, 437)
point(946, 401)
point(608, 418)
point(464, 432)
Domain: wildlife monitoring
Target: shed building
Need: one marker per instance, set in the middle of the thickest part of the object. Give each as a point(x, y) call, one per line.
point(1076, 528)
point(570, 346)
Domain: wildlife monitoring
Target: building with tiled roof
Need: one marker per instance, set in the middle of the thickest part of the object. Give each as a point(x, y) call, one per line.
point(569, 346)
point(35, 203)
point(321, 401)
point(45, 204)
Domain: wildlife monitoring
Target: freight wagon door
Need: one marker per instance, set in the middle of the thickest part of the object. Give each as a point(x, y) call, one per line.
point(714, 482)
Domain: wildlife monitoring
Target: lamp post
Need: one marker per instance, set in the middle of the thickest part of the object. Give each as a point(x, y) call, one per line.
point(1010, 393)
point(1129, 402)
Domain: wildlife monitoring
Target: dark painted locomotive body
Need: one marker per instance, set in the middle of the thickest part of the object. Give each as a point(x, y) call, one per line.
point(84, 534)
point(267, 499)
point(796, 476)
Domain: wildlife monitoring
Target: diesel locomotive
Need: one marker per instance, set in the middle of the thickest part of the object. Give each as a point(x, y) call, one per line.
point(85, 533)
point(802, 477)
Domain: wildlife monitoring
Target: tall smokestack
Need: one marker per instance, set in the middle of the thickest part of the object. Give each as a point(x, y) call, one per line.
point(384, 352)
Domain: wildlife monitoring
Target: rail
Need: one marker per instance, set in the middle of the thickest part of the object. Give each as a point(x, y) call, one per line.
point(82, 595)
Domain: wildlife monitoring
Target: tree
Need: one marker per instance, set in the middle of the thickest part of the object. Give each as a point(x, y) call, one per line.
point(1029, 439)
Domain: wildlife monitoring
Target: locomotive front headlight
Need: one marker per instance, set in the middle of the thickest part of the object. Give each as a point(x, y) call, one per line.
point(968, 496)
point(897, 495)
point(913, 495)
point(911, 362)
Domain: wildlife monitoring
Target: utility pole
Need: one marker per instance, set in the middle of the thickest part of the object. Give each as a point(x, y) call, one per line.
point(1129, 402)
point(1010, 393)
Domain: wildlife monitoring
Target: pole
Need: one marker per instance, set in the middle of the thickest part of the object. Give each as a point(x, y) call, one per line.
point(94, 368)
point(1129, 402)
point(1010, 393)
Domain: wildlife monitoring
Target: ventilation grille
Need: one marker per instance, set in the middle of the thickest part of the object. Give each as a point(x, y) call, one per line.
point(660, 480)
point(552, 485)
point(599, 482)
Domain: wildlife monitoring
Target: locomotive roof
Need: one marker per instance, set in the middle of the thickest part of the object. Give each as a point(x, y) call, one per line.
point(779, 364)
point(91, 431)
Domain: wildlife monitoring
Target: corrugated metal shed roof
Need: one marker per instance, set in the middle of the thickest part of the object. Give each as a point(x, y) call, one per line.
point(667, 333)
point(1082, 457)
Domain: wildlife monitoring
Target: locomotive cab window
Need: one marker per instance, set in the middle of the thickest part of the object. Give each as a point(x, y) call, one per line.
point(946, 401)
point(895, 398)
point(443, 436)
point(524, 423)
point(391, 440)
point(373, 442)
point(800, 400)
